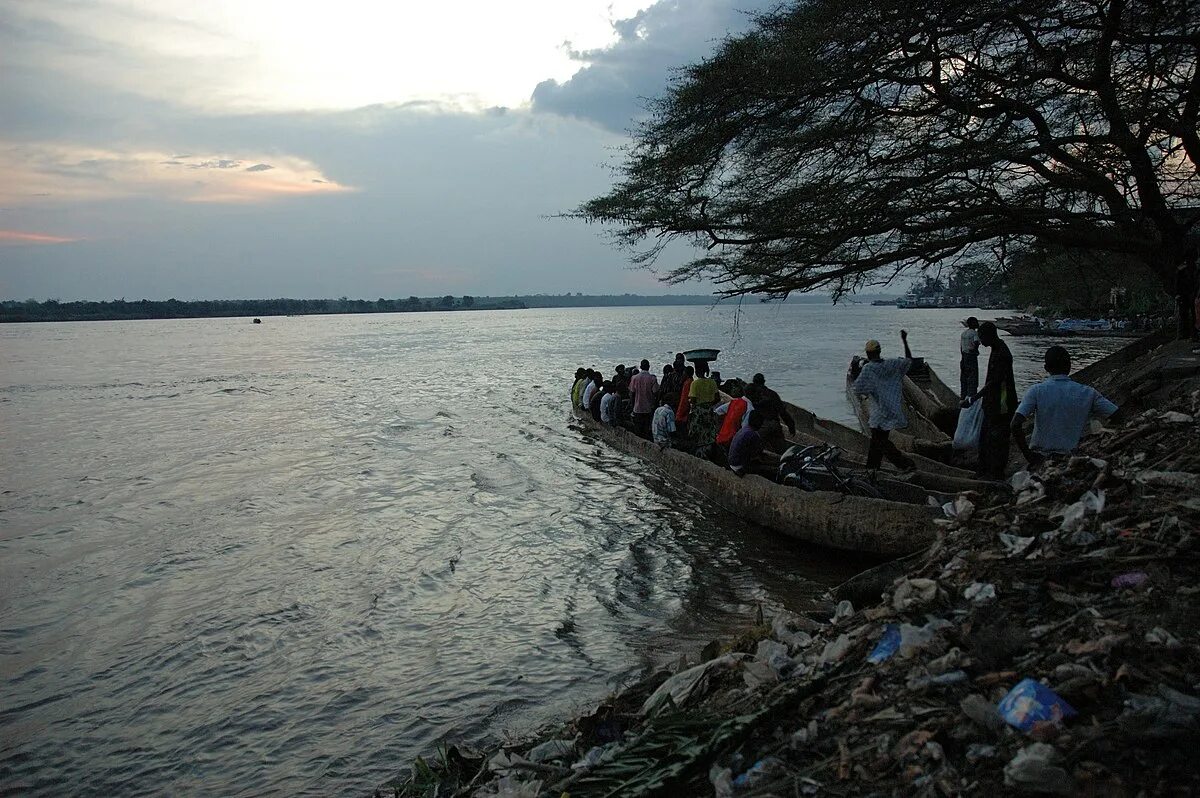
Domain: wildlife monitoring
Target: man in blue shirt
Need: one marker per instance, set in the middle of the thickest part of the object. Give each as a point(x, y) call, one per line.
point(1060, 408)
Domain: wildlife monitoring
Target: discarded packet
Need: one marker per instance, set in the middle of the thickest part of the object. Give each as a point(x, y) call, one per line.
point(888, 645)
point(1133, 579)
point(1030, 702)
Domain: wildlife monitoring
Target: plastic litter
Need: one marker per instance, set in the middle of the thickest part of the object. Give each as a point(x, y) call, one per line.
point(888, 645)
point(721, 780)
point(918, 683)
point(960, 509)
point(514, 787)
point(1159, 636)
point(1027, 487)
point(835, 650)
point(978, 751)
point(1074, 515)
point(691, 683)
point(1035, 769)
point(1167, 714)
point(914, 593)
point(757, 773)
point(844, 610)
point(980, 592)
point(982, 712)
point(551, 750)
point(1031, 702)
point(970, 424)
point(1014, 545)
point(594, 756)
point(1169, 479)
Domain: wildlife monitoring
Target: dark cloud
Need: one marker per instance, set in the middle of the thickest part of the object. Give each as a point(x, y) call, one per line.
point(259, 167)
point(611, 89)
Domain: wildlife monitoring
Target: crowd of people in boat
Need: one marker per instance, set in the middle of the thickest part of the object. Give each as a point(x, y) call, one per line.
point(741, 424)
point(731, 422)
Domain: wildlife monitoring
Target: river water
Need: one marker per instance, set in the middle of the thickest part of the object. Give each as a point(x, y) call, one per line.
point(244, 559)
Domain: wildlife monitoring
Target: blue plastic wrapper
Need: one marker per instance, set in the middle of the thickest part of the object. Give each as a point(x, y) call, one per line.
point(1031, 702)
point(888, 645)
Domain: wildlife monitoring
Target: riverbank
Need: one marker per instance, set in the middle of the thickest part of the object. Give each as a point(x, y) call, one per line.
point(1046, 642)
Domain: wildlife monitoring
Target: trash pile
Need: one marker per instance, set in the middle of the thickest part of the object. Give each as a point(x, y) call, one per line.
point(1046, 644)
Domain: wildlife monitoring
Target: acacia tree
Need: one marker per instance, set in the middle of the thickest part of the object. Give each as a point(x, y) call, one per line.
point(838, 144)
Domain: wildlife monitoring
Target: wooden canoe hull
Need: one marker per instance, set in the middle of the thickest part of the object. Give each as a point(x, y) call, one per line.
point(875, 527)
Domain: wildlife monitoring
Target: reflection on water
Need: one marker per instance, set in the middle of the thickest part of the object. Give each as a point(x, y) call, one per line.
point(238, 559)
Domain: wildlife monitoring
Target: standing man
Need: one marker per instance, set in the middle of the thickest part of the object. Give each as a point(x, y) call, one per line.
point(644, 388)
point(883, 381)
point(968, 367)
point(1060, 408)
point(1185, 295)
point(999, 397)
point(672, 384)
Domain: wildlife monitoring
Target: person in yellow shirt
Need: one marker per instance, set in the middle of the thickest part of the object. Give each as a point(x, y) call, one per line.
point(702, 398)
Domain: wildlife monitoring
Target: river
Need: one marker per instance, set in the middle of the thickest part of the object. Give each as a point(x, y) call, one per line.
point(244, 559)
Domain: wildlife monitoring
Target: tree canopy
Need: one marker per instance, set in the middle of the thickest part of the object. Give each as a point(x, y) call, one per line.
point(838, 144)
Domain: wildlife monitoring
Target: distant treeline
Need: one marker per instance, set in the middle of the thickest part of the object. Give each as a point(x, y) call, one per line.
point(118, 309)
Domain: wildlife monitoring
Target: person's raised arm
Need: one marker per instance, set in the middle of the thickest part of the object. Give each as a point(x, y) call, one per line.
point(904, 337)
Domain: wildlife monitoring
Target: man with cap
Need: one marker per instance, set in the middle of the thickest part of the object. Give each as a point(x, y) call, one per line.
point(883, 382)
point(968, 367)
point(1060, 408)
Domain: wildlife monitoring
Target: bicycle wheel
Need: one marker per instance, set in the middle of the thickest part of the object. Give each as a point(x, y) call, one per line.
point(857, 486)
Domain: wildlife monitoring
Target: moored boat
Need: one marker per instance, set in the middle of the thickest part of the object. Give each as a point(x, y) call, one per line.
point(878, 527)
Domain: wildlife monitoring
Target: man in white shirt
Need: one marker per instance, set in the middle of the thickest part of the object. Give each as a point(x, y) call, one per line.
point(589, 390)
point(608, 405)
point(968, 369)
point(1060, 408)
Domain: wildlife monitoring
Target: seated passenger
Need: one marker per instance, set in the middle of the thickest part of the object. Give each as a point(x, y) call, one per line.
point(608, 404)
point(735, 412)
point(663, 424)
point(595, 397)
point(775, 414)
point(747, 445)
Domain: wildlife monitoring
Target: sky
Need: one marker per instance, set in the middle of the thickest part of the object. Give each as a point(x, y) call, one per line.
point(265, 148)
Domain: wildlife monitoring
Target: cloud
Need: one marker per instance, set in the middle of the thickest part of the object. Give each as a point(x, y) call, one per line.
point(614, 82)
point(41, 173)
point(11, 237)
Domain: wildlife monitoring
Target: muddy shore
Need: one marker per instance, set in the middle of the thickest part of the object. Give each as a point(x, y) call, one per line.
point(1047, 642)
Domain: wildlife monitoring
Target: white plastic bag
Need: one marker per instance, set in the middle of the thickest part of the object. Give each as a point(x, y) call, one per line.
point(970, 423)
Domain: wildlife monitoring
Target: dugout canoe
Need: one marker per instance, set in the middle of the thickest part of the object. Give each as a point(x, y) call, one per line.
point(932, 475)
point(875, 527)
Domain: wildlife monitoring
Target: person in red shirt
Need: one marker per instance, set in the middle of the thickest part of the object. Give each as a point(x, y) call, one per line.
point(685, 406)
point(734, 410)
